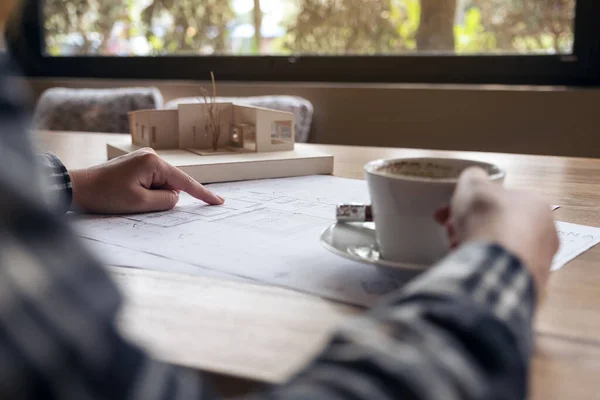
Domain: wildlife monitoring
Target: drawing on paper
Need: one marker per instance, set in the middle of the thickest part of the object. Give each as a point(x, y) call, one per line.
point(267, 231)
point(574, 240)
point(252, 211)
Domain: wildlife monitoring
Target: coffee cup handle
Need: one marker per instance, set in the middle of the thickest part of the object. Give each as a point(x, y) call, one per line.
point(354, 212)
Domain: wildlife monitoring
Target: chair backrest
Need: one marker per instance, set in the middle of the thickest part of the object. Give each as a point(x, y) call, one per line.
point(93, 110)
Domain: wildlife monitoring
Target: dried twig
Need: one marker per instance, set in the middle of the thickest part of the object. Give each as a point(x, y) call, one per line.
point(213, 113)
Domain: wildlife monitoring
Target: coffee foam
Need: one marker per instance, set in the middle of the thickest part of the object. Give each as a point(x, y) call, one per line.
point(425, 169)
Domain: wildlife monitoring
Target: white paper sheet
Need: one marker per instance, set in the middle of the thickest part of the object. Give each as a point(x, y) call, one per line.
point(121, 256)
point(267, 231)
point(574, 240)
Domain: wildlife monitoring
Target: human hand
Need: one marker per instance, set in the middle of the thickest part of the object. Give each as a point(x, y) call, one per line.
point(519, 221)
point(137, 182)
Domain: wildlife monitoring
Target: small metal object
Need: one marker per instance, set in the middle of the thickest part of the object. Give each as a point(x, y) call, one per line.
point(354, 212)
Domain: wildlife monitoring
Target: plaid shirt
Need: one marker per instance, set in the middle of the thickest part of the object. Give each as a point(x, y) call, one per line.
point(463, 330)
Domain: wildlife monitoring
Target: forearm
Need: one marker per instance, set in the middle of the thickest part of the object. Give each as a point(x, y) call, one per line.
point(461, 331)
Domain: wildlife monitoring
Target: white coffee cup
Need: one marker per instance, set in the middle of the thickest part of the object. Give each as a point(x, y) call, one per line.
point(405, 194)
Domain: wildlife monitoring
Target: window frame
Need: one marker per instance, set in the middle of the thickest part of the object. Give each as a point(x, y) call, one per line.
point(581, 68)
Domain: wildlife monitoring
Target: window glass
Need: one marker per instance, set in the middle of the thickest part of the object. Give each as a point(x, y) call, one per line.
point(307, 27)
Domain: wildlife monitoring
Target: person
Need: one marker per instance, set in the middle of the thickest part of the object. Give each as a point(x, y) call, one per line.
point(461, 330)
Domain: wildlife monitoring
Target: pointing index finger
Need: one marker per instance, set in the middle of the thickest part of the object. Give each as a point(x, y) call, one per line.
point(176, 179)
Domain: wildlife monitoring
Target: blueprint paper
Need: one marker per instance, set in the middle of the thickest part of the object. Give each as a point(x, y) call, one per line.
point(122, 256)
point(267, 231)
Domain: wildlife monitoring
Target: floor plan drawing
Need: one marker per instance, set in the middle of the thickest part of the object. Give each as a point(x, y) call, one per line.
point(266, 231)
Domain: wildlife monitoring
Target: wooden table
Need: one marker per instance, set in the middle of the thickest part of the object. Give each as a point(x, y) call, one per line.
point(265, 333)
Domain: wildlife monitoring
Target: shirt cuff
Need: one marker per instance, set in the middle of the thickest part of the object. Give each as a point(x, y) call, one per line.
point(487, 276)
point(58, 189)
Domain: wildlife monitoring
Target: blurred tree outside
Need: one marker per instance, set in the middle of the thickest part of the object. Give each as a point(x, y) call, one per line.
point(81, 23)
point(196, 27)
point(344, 27)
point(529, 26)
point(257, 12)
point(436, 26)
point(321, 27)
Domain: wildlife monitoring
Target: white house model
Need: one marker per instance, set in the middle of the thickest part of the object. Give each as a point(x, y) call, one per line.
point(238, 129)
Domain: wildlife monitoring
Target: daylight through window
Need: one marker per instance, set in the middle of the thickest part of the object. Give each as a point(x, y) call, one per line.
point(308, 27)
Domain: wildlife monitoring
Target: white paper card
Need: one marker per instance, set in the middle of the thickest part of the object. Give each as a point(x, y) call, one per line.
point(574, 240)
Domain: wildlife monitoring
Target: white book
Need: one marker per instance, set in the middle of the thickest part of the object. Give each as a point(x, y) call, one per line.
point(301, 161)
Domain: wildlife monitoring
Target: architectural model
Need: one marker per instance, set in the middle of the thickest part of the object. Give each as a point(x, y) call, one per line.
point(223, 142)
point(213, 128)
point(192, 127)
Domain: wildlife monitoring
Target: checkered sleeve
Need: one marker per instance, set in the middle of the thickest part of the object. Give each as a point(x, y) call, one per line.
point(461, 331)
point(56, 182)
point(58, 306)
point(58, 309)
